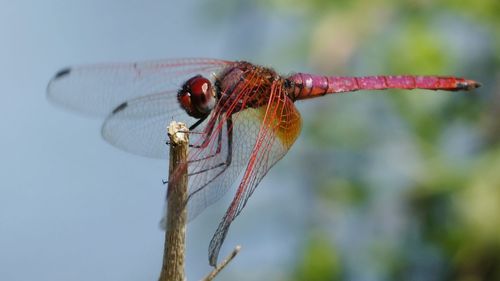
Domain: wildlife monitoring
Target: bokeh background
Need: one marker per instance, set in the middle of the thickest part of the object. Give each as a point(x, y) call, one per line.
point(388, 185)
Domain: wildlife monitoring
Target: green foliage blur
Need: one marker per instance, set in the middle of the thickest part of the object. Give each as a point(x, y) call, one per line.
point(417, 173)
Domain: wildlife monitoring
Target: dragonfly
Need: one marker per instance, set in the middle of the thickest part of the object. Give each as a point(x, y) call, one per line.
point(241, 116)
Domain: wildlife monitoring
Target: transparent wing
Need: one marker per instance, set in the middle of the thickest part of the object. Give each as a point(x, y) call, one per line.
point(214, 169)
point(279, 128)
point(139, 126)
point(99, 89)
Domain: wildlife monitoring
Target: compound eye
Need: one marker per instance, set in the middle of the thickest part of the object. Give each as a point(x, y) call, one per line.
point(196, 96)
point(200, 88)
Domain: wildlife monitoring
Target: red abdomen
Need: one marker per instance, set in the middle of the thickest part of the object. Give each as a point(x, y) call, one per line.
point(306, 86)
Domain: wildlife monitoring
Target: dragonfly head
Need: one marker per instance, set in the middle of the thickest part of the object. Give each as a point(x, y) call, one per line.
point(197, 96)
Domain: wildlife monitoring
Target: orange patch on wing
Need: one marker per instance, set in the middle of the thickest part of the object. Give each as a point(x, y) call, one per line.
point(285, 121)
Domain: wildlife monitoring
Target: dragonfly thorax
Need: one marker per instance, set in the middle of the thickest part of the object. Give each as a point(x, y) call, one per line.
point(197, 96)
point(244, 86)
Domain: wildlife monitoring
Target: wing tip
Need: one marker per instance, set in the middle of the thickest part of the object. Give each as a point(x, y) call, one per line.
point(61, 73)
point(120, 107)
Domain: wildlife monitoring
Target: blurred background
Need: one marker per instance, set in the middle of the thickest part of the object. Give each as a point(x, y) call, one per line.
point(388, 185)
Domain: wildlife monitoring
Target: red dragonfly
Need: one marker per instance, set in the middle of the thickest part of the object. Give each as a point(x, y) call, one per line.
point(242, 116)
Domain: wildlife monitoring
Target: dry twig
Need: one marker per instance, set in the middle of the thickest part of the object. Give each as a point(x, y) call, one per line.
point(175, 234)
point(223, 264)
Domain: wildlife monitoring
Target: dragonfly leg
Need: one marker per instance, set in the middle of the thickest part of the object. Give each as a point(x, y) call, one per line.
point(224, 164)
point(192, 127)
point(229, 125)
point(218, 150)
point(205, 143)
point(206, 139)
point(197, 123)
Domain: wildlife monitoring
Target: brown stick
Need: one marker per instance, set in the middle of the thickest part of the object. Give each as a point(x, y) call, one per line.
point(175, 234)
